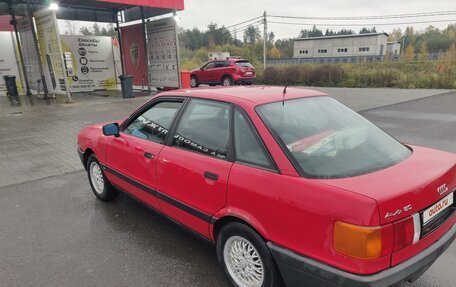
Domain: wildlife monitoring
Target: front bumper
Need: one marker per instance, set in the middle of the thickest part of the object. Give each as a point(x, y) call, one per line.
point(299, 271)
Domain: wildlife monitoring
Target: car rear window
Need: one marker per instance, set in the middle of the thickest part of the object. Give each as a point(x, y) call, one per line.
point(244, 64)
point(325, 139)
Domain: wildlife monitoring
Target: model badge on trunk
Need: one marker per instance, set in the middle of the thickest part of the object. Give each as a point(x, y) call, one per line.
point(442, 189)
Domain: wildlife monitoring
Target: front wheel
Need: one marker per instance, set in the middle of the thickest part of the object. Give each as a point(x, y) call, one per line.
point(245, 258)
point(101, 187)
point(227, 81)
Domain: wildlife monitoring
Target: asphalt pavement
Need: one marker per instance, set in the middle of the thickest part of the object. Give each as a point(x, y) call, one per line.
point(53, 232)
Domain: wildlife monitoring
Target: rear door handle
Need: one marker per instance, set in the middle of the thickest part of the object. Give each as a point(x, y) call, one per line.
point(148, 155)
point(211, 175)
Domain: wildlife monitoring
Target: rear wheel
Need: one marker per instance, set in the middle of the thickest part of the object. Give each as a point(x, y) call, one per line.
point(194, 82)
point(227, 81)
point(245, 258)
point(101, 187)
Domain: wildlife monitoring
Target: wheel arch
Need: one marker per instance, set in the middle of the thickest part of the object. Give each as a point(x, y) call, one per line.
point(87, 153)
point(224, 219)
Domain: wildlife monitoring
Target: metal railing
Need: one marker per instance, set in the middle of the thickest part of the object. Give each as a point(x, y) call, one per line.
point(352, 59)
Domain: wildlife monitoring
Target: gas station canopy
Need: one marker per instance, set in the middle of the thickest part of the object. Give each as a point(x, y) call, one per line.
point(97, 10)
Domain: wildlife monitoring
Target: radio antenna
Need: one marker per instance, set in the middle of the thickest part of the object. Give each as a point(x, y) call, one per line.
point(284, 93)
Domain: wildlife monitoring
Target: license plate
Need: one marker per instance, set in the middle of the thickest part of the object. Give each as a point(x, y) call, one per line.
point(248, 73)
point(438, 208)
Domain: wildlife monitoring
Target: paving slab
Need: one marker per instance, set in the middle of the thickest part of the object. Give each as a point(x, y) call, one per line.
point(55, 233)
point(360, 99)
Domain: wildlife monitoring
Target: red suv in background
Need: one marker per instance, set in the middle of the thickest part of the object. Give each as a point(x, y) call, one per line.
point(224, 72)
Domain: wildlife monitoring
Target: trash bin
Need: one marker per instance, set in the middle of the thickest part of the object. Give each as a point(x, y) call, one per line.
point(11, 88)
point(126, 82)
point(185, 79)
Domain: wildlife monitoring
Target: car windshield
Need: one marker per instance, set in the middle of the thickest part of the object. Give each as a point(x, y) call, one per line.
point(244, 64)
point(325, 139)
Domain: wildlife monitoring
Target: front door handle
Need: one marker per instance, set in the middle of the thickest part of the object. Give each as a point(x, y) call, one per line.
point(148, 155)
point(211, 175)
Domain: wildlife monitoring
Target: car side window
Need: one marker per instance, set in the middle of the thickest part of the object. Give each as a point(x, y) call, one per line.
point(204, 128)
point(220, 65)
point(209, 66)
point(154, 123)
point(248, 148)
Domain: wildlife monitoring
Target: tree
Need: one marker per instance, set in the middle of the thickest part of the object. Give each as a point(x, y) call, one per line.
point(423, 52)
point(365, 30)
point(311, 33)
point(70, 29)
point(396, 35)
point(85, 31)
point(96, 29)
point(274, 53)
point(271, 37)
point(219, 36)
point(409, 54)
point(285, 47)
point(252, 34)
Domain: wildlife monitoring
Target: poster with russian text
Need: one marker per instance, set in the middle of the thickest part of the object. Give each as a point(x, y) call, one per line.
point(162, 53)
point(89, 63)
point(51, 55)
point(31, 60)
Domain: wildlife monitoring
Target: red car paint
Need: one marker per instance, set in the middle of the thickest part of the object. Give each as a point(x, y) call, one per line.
point(213, 72)
point(286, 209)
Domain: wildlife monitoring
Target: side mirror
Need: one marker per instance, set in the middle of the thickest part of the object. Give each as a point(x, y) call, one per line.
point(111, 130)
point(202, 68)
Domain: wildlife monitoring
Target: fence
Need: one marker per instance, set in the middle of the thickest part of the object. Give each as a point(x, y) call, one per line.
point(353, 59)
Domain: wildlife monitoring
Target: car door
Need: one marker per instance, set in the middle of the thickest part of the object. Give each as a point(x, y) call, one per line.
point(218, 71)
point(192, 171)
point(205, 75)
point(140, 141)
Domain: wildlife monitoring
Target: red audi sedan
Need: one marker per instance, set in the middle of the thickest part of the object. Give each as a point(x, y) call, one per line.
point(290, 185)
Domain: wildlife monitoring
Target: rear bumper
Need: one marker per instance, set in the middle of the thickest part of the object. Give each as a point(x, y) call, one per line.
point(297, 270)
point(242, 80)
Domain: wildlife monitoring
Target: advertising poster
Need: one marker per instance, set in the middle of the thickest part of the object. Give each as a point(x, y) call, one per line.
point(89, 63)
point(163, 54)
point(8, 62)
point(49, 44)
point(117, 58)
point(31, 61)
point(133, 49)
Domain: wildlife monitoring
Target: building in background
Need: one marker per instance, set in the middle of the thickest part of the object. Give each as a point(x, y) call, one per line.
point(372, 44)
point(218, 55)
point(394, 48)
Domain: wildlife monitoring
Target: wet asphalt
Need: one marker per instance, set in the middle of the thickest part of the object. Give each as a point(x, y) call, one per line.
point(54, 233)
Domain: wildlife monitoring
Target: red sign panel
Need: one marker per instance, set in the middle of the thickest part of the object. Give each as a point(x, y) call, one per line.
point(169, 4)
point(5, 23)
point(133, 50)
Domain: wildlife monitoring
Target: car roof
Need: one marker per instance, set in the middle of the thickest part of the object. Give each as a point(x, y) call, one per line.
point(250, 95)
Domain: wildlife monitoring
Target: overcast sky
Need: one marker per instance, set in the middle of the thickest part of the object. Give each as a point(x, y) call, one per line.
point(199, 13)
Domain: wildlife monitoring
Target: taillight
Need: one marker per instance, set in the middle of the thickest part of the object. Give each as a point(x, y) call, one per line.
point(362, 242)
point(407, 232)
point(369, 243)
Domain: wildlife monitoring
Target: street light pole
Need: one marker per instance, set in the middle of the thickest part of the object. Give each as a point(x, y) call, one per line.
point(265, 39)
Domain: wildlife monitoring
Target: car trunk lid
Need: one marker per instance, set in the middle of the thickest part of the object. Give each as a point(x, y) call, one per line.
point(412, 186)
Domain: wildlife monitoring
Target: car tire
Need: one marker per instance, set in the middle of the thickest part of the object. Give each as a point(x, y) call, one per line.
point(194, 82)
point(234, 241)
point(227, 81)
point(100, 185)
